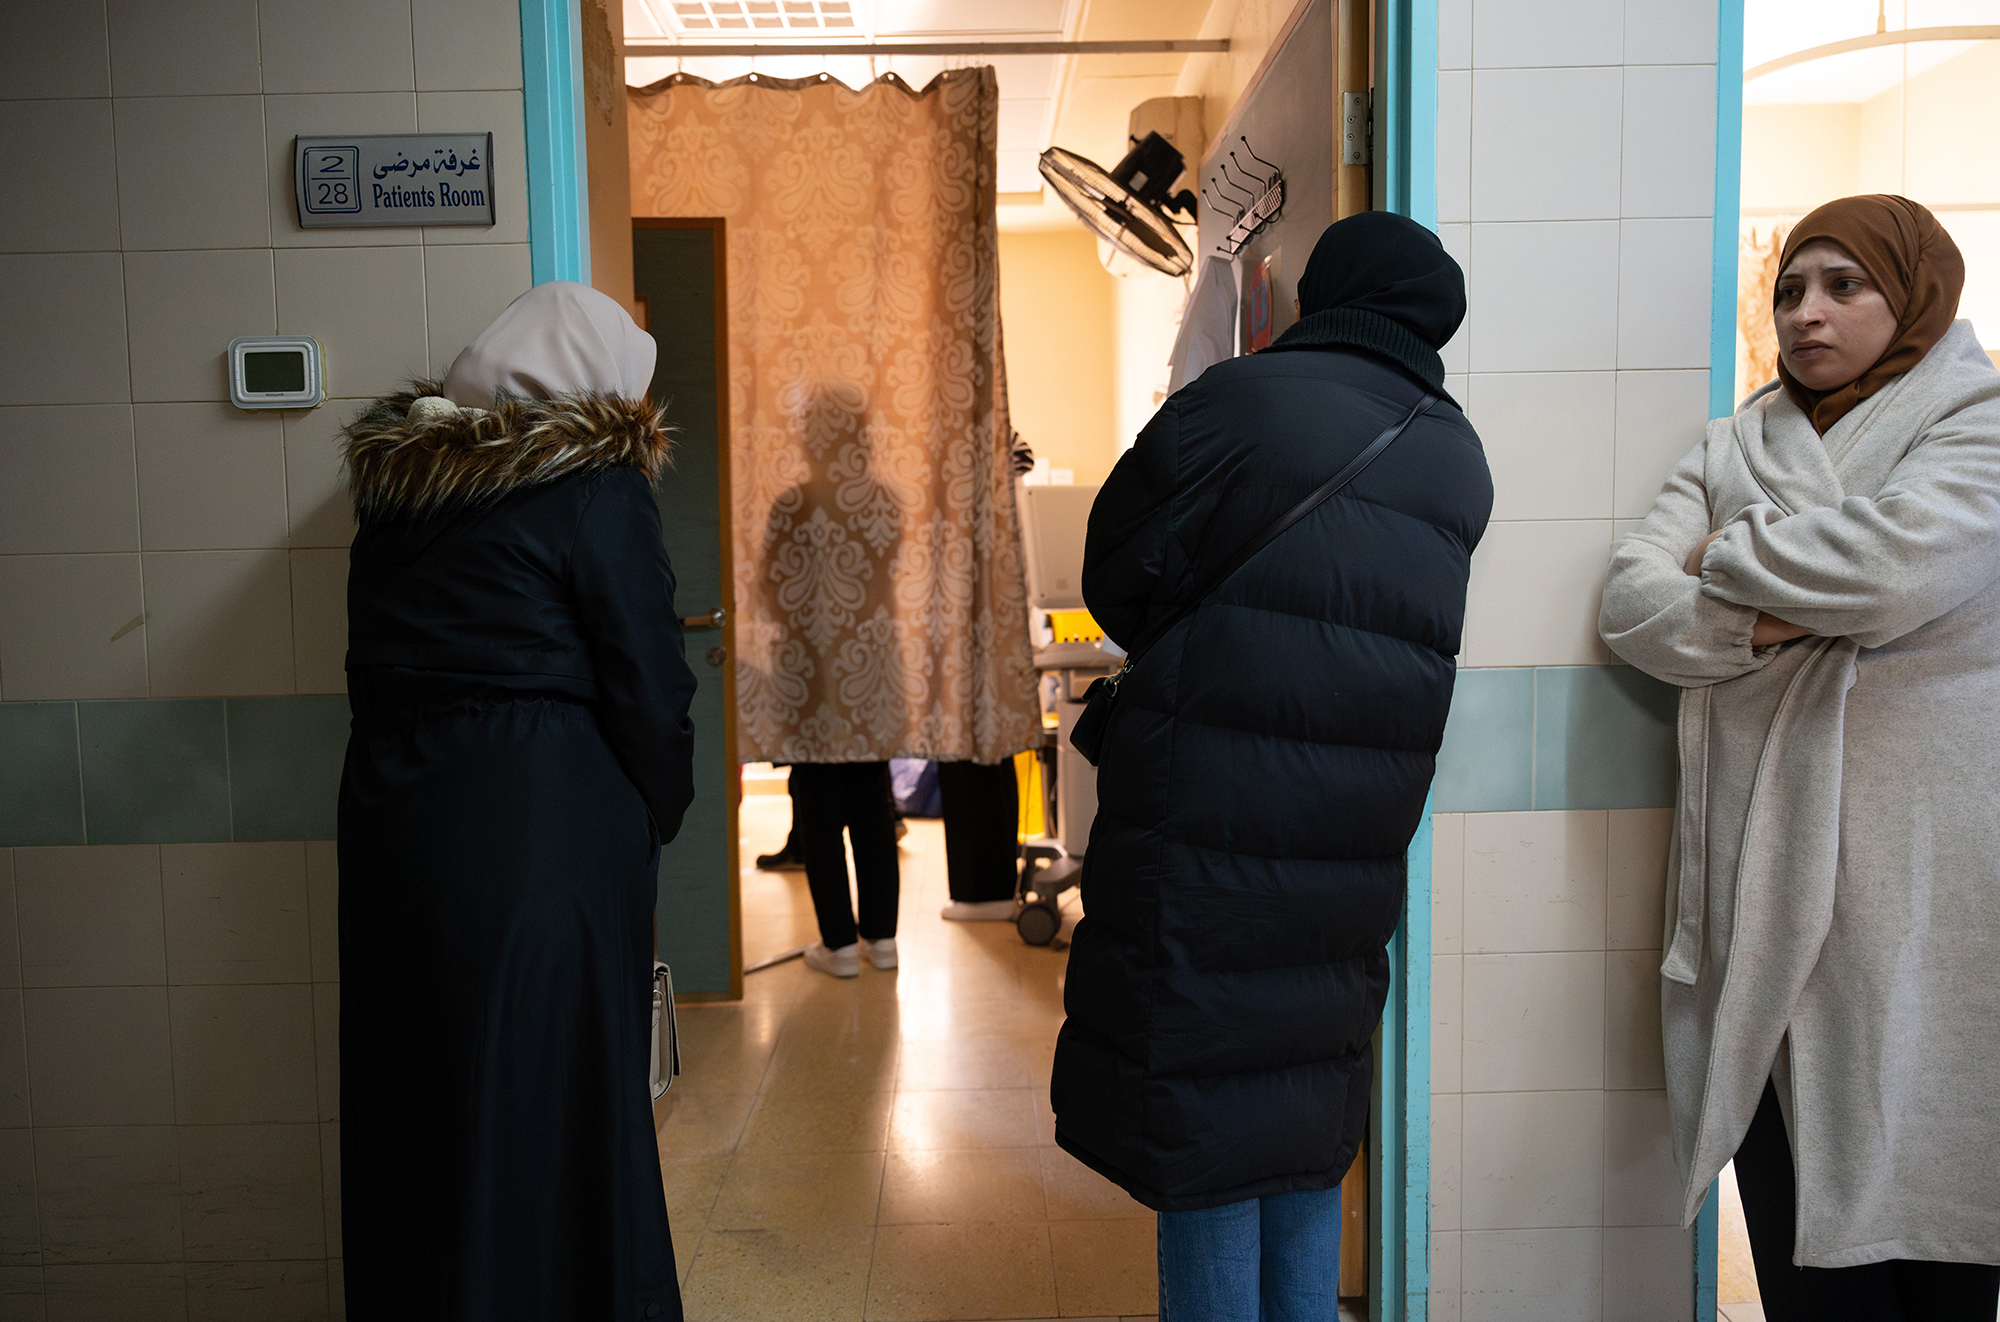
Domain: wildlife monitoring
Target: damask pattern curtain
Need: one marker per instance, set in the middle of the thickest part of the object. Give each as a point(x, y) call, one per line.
point(881, 610)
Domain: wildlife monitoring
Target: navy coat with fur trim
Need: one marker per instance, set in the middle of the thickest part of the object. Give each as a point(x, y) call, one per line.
point(1263, 772)
point(520, 750)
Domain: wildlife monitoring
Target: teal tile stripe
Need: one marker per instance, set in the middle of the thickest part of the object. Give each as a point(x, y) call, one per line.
point(1558, 737)
point(170, 770)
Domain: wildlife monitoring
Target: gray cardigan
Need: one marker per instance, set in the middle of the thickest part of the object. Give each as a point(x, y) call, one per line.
point(1833, 914)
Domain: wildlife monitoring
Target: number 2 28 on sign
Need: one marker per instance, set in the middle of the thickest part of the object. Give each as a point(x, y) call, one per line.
point(333, 179)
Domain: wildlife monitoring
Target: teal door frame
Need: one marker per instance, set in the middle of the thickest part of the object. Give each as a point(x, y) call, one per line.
point(552, 105)
point(1399, 1284)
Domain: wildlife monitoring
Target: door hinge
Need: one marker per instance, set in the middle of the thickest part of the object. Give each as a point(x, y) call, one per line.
point(1356, 128)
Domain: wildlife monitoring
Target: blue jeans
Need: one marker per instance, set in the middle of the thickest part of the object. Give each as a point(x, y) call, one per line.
point(1274, 1259)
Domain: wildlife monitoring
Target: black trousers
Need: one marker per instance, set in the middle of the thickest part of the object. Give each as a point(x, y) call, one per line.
point(982, 817)
point(830, 796)
point(1898, 1291)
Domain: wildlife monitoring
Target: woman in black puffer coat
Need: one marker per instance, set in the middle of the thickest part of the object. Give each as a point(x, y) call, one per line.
point(1264, 770)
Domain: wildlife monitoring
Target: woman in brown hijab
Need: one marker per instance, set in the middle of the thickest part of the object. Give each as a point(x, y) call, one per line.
point(1821, 578)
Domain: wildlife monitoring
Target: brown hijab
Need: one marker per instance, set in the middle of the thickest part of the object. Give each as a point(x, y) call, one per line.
point(1908, 254)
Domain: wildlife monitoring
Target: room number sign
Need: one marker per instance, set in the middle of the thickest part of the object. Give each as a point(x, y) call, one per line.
point(393, 179)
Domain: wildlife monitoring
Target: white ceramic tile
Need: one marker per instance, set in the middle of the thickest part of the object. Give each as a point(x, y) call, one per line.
point(1543, 291)
point(1661, 416)
point(465, 287)
point(1642, 1186)
point(1454, 35)
point(1663, 286)
point(326, 1047)
point(20, 1225)
point(172, 197)
point(219, 1291)
point(1447, 1022)
point(315, 487)
point(479, 112)
point(66, 480)
point(1531, 1275)
point(251, 1192)
point(354, 46)
point(323, 896)
point(1454, 146)
point(185, 308)
point(1549, 442)
point(90, 916)
point(319, 621)
point(1649, 1274)
point(1533, 1160)
point(109, 1195)
point(211, 477)
point(1534, 595)
point(243, 1055)
point(1669, 141)
point(70, 206)
point(1679, 33)
point(62, 329)
point(128, 1291)
point(1445, 1283)
point(1446, 1162)
point(287, 117)
point(1540, 33)
point(99, 1056)
point(1534, 881)
point(466, 45)
point(54, 51)
point(15, 1111)
point(187, 48)
point(1447, 883)
point(219, 623)
point(236, 913)
point(1545, 143)
point(1534, 1021)
point(1636, 878)
point(373, 344)
point(1633, 1055)
point(63, 627)
point(1457, 352)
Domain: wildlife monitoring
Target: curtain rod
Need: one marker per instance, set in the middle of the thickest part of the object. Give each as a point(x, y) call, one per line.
point(1192, 46)
point(1903, 36)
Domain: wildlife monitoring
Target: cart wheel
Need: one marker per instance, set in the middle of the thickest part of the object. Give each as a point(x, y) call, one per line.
point(1038, 923)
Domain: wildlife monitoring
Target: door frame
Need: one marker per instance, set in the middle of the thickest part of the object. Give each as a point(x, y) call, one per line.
point(718, 228)
point(552, 107)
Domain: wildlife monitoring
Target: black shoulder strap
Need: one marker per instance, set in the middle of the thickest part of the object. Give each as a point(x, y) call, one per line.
point(1272, 531)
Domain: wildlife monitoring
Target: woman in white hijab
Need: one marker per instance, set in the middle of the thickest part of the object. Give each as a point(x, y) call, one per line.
point(520, 751)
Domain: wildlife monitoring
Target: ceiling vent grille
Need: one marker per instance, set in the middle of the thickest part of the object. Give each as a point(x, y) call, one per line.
point(718, 16)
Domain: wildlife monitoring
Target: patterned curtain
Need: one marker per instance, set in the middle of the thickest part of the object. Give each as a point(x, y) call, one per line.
point(881, 610)
point(1760, 242)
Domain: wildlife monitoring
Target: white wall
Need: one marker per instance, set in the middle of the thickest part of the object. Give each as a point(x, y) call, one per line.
point(168, 1011)
point(1575, 185)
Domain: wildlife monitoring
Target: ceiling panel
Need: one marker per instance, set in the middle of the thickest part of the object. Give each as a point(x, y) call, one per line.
point(913, 17)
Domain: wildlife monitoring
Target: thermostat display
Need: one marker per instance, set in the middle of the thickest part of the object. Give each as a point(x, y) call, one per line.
point(275, 372)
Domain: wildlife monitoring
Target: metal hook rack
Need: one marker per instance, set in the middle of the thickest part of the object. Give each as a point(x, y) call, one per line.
point(1263, 198)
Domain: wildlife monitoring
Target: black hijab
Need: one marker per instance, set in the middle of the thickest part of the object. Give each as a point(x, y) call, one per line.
point(1380, 282)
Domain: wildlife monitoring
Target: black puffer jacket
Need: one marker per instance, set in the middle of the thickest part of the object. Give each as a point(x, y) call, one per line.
point(1263, 773)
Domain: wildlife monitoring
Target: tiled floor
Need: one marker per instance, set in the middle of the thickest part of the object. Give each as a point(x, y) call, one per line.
point(882, 1148)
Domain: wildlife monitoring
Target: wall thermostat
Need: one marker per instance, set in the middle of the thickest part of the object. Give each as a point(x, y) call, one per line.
point(275, 372)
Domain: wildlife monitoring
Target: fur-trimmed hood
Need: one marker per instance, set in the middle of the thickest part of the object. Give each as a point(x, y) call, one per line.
point(415, 453)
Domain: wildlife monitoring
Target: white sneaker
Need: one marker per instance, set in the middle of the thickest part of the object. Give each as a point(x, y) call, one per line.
point(980, 911)
point(842, 963)
point(882, 952)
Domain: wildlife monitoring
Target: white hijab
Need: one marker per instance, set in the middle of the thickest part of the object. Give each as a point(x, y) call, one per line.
point(559, 338)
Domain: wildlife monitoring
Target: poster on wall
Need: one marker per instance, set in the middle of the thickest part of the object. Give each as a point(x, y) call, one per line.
point(1257, 306)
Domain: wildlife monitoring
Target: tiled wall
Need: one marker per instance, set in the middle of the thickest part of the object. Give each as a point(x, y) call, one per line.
point(172, 578)
point(1575, 159)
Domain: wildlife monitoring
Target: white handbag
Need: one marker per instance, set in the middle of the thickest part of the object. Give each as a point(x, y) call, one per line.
point(666, 1035)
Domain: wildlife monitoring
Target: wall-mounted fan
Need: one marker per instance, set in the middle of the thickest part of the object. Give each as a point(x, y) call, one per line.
point(1127, 206)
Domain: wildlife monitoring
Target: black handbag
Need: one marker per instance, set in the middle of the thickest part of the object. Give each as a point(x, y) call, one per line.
point(1087, 735)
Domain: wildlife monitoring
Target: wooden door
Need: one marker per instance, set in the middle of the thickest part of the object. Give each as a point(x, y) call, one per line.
point(678, 276)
